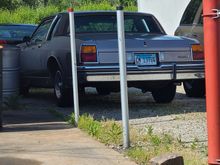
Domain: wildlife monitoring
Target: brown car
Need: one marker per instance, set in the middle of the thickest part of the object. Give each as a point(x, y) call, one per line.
point(191, 25)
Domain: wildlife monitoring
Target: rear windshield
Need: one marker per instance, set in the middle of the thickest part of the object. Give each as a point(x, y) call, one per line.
point(108, 24)
point(14, 32)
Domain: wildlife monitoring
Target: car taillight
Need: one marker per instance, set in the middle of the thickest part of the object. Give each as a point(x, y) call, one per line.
point(88, 53)
point(3, 42)
point(198, 52)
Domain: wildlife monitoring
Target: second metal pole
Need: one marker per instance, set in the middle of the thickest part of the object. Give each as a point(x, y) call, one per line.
point(74, 65)
point(211, 11)
point(123, 76)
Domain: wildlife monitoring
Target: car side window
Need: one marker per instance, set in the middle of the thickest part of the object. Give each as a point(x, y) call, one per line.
point(190, 12)
point(41, 32)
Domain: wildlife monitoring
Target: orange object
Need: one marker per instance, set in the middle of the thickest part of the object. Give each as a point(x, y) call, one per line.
point(88, 49)
point(212, 63)
point(70, 9)
point(198, 52)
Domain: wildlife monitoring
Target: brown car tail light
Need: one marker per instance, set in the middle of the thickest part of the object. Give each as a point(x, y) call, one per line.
point(198, 52)
point(88, 53)
point(3, 42)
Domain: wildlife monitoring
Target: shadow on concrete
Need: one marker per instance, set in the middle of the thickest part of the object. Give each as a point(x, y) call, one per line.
point(34, 127)
point(35, 113)
point(18, 161)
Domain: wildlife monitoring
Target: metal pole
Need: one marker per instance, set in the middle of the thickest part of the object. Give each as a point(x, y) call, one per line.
point(74, 65)
point(212, 63)
point(123, 76)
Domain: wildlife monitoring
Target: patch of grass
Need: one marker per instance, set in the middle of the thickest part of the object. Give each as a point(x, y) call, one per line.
point(71, 120)
point(25, 14)
point(111, 133)
point(144, 146)
point(88, 124)
point(153, 145)
point(194, 144)
point(108, 132)
point(138, 154)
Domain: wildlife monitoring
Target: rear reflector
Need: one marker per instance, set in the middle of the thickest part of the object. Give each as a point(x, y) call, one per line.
point(197, 48)
point(88, 53)
point(198, 52)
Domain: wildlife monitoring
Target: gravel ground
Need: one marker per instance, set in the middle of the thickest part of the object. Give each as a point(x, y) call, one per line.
point(184, 118)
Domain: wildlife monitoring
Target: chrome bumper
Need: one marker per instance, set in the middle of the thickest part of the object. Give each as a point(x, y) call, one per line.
point(164, 72)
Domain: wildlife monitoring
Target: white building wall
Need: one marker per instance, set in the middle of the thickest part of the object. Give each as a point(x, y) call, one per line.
point(168, 12)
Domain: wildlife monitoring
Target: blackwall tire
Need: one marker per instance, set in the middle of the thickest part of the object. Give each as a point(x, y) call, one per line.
point(194, 88)
point(62, 94)
point(165, 94)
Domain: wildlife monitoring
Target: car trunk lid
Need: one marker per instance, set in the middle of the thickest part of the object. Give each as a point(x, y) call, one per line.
point(167, 48)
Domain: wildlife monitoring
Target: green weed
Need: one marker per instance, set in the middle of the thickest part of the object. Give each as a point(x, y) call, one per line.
point(111, 133)
point(71, 119)
point(144, 145)
point(30, 15)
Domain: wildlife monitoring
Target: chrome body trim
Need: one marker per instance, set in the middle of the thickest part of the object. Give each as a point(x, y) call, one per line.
point(135, 73)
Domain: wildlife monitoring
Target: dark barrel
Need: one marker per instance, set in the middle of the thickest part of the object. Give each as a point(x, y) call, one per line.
point(10, 71)
point(0, 87)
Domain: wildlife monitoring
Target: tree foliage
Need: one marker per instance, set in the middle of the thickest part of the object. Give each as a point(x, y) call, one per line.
point(14, 4)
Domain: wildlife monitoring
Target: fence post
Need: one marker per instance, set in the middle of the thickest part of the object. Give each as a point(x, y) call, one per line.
point(123, 76)
point(74, 65)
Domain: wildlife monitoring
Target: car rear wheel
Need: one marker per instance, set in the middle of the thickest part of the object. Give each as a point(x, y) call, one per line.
point(165, 94)
point(62, 94)
point(103, 91)
point(24, 91)
point(194, 88)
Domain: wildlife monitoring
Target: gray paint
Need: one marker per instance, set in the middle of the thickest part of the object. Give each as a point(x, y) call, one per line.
point(10, 71)
point(171, 50)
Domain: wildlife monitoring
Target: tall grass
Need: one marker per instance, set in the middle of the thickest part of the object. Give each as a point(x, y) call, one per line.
point(144, 145)
point(26, 14)
point(30, 15)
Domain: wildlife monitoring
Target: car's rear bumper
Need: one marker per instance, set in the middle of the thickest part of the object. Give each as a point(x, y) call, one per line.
point(164, 72)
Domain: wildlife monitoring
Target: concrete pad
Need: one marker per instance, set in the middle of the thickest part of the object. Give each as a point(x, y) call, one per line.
point(67, 146)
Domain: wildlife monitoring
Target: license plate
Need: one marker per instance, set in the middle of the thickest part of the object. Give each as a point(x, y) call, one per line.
point(146, 59)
